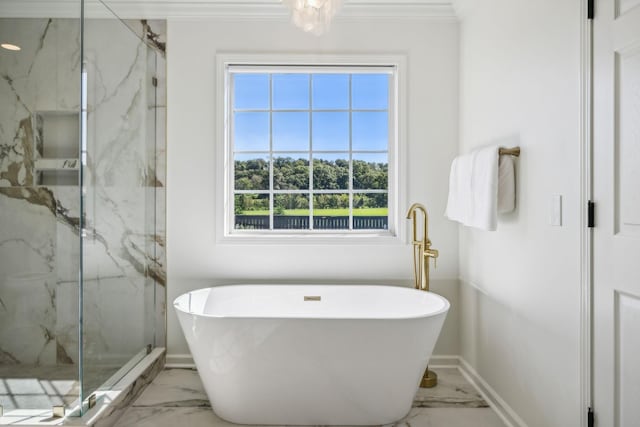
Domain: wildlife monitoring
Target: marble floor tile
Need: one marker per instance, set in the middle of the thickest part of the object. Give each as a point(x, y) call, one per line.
point(31, 387)
point(451, 417)
point(453, 390)
point(36, 387)
point(418, 417)
point(30, 417)
point(176, 397)
point(174, 388)
point(182, 387)
point(171, 417)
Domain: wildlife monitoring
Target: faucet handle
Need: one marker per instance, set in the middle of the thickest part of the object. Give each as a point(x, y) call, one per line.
point(432, 253)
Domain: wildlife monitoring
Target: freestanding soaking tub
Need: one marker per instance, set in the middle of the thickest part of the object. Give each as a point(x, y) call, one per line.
point(311, 354)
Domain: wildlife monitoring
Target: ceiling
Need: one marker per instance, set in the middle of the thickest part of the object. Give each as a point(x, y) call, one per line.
point(266, 9)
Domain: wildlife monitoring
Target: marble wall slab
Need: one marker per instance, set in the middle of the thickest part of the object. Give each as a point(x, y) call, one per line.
point(42, 76)
point(28, 281)
point(124, 208)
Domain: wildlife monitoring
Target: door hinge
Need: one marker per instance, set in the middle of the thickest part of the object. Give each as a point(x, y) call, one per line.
point(591, 214)
point(154, 81)
point(590, 8)
point(590, 417)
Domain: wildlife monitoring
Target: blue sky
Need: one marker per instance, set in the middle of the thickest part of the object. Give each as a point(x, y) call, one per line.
point(292, 129)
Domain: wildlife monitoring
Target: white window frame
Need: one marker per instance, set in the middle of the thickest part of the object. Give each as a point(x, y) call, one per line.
point(396, 192)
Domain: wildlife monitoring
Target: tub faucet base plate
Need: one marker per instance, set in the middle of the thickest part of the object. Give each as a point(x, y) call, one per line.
point(429, 379)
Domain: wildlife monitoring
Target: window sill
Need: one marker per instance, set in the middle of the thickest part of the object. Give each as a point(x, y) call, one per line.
point(303, 239)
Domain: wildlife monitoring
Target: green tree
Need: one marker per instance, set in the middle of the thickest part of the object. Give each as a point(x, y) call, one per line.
point(251, 174)
point(290, 174)
point(370, 176)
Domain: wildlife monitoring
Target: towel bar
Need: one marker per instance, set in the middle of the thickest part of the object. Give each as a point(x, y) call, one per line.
point(515, 151)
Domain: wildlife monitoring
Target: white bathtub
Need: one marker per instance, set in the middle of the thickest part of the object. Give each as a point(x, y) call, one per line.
point(268, 355)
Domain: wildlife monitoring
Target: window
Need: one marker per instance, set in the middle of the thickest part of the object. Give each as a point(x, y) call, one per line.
point(310, 149)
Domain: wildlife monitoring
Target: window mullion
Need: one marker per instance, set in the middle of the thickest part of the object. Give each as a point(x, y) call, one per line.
point(271, 195)
point(230, 154)
point(350, 153)
point(311, 185)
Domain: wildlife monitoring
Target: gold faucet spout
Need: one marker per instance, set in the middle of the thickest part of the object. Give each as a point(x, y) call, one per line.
point(411, 214)
point(421, 248)
point(414, 207)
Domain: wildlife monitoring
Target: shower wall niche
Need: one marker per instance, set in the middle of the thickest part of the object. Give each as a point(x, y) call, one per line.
point(56, 139)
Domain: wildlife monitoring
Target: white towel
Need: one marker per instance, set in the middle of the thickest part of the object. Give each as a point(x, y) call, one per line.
point(473, 188)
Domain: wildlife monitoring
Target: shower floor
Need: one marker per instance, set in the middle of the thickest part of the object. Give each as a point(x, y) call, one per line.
point(41, 387)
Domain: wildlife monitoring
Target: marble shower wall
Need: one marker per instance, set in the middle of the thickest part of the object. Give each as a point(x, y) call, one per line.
point(124, 191)
point(125, 181)
point(38, 224)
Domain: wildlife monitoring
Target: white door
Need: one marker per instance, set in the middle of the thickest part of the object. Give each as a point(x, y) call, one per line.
point(616, 242)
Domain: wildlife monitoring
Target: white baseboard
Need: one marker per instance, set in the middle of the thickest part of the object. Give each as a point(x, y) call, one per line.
point(497, 403)
point(184, 361)
point(444, 361)
point(504, 411)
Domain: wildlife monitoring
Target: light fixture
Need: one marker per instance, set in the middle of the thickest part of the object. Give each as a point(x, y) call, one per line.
point(313, 16)
point(9, 46)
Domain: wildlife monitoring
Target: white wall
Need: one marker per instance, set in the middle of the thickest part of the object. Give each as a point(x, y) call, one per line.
point(196, 259)
point(520, 285)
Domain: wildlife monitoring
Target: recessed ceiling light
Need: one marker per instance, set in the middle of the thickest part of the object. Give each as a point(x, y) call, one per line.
point(10, 46)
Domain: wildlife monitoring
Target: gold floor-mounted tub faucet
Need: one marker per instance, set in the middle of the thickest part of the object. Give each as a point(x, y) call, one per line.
point(422, 253)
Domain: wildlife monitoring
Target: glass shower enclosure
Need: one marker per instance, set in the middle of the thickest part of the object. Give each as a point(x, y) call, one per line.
point(82, 119)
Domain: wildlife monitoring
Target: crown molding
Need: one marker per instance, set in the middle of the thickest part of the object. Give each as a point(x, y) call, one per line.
point(201, 9)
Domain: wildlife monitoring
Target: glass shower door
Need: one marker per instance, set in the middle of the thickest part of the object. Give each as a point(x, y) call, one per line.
point(81, 203)
point(39, 211)
point(118, 289)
